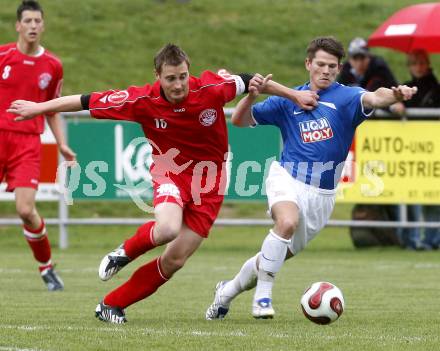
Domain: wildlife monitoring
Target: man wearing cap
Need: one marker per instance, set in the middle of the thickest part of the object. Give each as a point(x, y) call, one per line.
point(364, 69)
point(370, 72)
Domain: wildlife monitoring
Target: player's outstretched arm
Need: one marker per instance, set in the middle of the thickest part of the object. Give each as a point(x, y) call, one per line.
point(242, 115)
point(384, 97)
point(305, 99)
point(29, 109)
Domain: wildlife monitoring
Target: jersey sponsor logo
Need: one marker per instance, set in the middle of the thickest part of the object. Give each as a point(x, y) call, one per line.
point(44, 80)
point(315, 130)
point(168, 189)
point(29, 63)
point(119, 97)
point(207, 117)
point(179, 109)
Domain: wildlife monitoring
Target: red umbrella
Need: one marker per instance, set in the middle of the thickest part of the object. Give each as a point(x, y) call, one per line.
point(414, 27)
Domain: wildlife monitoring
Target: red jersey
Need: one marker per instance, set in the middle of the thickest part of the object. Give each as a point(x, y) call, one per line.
point(22, 77)
point(195, 127)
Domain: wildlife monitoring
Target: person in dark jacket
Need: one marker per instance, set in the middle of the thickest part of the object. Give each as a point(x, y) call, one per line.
point(371, 72)
point(365, 69)
point(428, 95)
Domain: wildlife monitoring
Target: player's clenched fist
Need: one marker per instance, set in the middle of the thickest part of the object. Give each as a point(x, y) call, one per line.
point(305, 99)
point(258, 84)
point(403, 92)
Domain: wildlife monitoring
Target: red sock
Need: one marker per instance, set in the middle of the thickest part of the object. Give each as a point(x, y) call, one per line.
point(144, 282)
point(39, 243)
point(141, 242)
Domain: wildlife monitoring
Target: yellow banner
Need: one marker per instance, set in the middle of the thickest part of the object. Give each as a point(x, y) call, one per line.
point(393, 162)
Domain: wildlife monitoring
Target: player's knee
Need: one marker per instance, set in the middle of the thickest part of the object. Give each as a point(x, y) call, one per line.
point(166, 232)
point(286, 226)
point(172, 263)
point(25, 211)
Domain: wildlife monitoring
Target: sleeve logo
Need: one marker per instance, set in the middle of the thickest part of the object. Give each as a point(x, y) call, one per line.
point(225, 74)
point(118, 97)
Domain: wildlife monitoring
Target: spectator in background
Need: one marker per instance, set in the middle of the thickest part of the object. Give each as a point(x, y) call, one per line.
point(371, 72)
point(364, 69)
point(424, 79)
point(428, 95)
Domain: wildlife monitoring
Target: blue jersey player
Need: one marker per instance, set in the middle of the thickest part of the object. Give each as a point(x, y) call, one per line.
point(301, 187)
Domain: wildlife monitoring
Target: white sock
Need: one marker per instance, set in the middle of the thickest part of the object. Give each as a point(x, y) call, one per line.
point(273, 254)
point(245, 279)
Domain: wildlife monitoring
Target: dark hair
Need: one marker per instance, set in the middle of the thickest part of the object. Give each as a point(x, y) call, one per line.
point(28, 5)
point(170, 54)
point(328, 44)
point(418, 54)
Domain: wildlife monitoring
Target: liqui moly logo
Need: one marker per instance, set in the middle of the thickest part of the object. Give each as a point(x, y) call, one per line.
point(315, 130)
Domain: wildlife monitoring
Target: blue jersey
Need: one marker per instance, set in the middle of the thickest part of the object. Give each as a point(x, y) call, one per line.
point(317, 142)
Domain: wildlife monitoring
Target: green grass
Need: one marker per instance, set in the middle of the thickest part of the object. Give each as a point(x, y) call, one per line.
point(391, 295)
point(391, 298)
point(110, 44)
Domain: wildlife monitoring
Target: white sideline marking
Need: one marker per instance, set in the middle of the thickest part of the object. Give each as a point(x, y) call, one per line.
point(67, 270)
point(400, 265)
point(7, 348)
point(113, 329)
point(411, 339)
point(10, 271)
point(427, 265)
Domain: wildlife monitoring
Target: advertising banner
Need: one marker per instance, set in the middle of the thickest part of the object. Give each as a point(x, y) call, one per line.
point(394, 162)
point(114, 160)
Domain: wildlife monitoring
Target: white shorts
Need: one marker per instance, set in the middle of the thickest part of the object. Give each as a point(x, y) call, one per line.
point(315, 204)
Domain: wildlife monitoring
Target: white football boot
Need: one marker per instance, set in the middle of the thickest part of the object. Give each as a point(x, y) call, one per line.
point(262, 309)
point(218, 308)
point(112, 263)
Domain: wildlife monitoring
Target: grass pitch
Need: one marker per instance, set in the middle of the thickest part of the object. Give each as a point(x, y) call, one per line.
point(391, 298)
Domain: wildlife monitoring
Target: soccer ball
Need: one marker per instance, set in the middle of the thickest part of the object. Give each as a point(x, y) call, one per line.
point(322, 303)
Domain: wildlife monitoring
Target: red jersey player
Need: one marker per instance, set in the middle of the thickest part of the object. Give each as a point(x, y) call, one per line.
point(183, 117)
point(29, 71)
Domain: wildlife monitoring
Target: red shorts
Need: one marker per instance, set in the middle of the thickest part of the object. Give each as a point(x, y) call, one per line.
point(200, 208)
point(20, 157)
